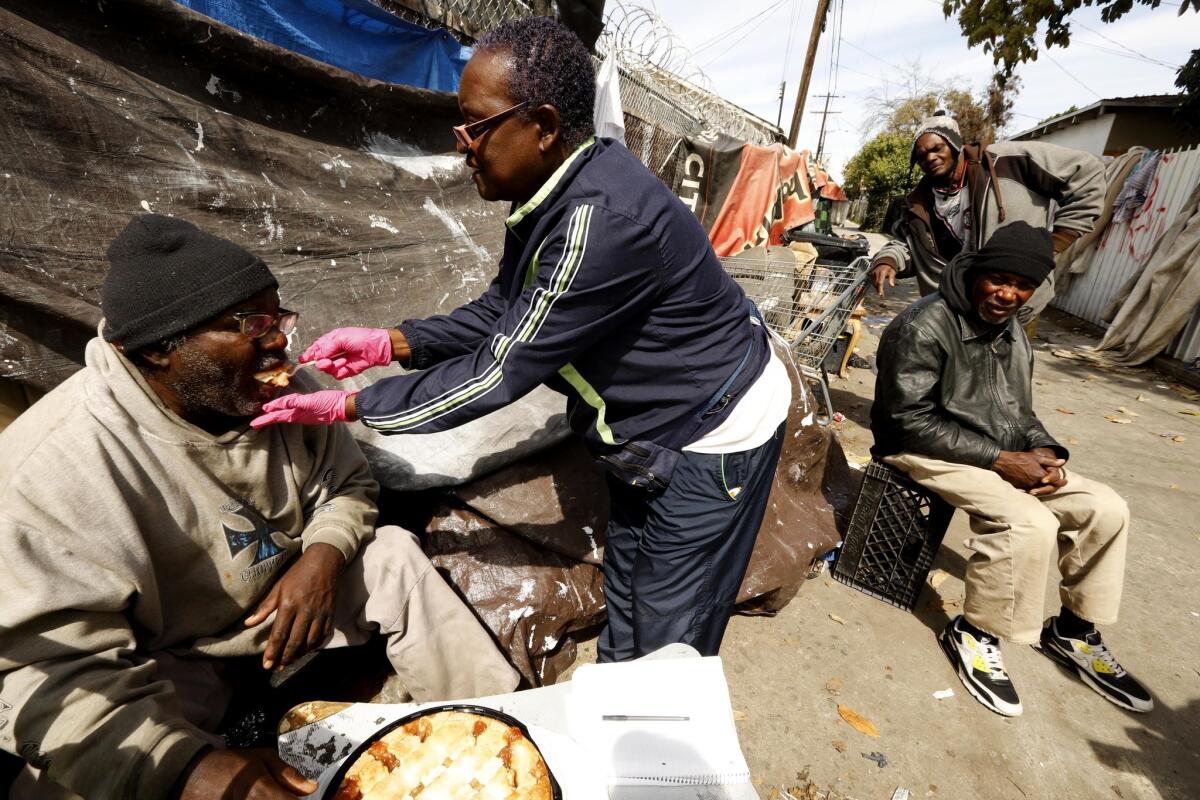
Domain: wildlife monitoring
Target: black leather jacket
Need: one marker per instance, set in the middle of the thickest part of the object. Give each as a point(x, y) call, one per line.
point(951, 386)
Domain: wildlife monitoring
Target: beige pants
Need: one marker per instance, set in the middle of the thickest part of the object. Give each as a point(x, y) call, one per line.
point(1015, 536)
point(435, 644)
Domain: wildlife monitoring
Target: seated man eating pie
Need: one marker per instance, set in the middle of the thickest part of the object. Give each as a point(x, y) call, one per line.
point(148, 532)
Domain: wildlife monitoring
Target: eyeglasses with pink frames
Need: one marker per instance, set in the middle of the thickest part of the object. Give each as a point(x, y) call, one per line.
point(467, 134)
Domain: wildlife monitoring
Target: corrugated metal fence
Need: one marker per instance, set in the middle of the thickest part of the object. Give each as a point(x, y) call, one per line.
point(1126, 247)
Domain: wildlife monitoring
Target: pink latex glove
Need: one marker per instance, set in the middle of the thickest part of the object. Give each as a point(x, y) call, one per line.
point(344, 352)
point(319, 408)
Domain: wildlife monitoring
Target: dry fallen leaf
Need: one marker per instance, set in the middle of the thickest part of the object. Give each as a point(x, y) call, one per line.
point(1118, 420)
point(1072, 440)
point(739, 716)
point(837, 619)
point(858, 721)
point(1091, 378)
point(938, 577)
point(1062, 410)
point(1125, 410)
point(1140, 398)
point(839, 745)
point(1179, 439)
point(1174, 487)
point(833, 685)
point(1190, 413)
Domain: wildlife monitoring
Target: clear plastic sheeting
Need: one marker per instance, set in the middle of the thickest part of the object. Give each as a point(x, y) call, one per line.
point(347, 187)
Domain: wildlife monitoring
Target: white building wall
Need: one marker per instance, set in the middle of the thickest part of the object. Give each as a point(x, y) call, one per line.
point(1091, 135)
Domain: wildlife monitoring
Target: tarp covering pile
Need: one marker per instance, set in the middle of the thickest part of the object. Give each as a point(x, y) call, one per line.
point(525, 543)
point(1077, 258)
point(1154, 307)
point(745, 195)
point(348, 188)
point(352, 34)
point(1160, 294)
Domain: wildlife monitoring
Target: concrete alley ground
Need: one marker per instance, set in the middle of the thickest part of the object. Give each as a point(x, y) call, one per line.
point(788, 674)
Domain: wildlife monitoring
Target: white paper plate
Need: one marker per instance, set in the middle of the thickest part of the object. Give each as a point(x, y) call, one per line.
point(574, 771)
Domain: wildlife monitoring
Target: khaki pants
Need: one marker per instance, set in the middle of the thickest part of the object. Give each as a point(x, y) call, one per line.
point(434, 643)
point(1015, 537)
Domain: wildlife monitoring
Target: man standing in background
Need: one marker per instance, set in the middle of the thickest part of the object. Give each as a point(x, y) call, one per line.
point(969, 191)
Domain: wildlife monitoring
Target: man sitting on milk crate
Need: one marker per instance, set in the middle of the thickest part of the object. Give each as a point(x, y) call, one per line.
point(953, 410)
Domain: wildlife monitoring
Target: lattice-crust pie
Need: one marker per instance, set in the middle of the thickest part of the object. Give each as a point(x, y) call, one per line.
point(449, 754)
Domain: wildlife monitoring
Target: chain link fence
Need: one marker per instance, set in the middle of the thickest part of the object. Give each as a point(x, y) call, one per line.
point(467, 20)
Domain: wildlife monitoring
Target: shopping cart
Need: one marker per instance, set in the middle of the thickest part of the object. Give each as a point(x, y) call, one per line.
point(807, 305)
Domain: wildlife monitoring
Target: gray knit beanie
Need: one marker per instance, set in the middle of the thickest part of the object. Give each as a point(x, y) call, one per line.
point(944, 126)
point(167, 276)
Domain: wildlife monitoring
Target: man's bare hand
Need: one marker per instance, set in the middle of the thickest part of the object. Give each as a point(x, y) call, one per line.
point(1055, 477)
point(883, 273)
point(249, 774)
point(1024, 470)
point(303, 604)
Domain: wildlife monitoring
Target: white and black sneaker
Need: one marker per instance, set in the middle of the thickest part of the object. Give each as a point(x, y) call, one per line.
point(980, 667)
point(1096, 666)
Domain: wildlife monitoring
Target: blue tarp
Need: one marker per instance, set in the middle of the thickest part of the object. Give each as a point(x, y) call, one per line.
point(351, 34)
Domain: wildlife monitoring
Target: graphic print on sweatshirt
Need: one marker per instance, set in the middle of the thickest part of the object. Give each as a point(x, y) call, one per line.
point(260, 536)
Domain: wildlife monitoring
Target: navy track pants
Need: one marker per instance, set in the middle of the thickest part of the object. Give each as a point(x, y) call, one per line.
point(674, 561)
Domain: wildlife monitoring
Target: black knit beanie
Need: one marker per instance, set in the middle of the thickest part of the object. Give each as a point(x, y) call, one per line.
point(943, 125)
point(168, 276)
point(1018, 248)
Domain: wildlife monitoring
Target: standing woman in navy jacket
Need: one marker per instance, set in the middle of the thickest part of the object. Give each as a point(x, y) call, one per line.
point(609, 292)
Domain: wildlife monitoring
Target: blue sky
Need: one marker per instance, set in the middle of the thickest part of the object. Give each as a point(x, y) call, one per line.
point(881, 38)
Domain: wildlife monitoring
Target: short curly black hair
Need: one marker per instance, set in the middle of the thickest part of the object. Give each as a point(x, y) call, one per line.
point(550, 66)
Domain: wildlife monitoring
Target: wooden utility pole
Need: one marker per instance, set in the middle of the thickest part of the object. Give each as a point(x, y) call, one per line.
point(813, 39)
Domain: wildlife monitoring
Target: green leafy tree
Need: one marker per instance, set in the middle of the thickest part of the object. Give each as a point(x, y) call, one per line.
point(879, 171)
point(1189, 81)
point(1008, 30)
point(981, 117)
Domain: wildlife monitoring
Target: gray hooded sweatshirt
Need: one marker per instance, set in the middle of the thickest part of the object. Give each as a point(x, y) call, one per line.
point(125, 531)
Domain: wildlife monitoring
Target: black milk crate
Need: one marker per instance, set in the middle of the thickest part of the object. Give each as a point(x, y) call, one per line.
point(894, 533)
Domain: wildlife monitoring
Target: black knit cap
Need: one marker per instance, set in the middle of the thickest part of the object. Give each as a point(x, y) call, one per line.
point(166, 276)
point(1018, 248)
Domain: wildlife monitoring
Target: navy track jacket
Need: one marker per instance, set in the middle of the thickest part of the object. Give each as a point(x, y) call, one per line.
point(608, 292)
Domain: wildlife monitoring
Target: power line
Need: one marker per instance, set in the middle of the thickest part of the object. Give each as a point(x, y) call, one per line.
point(724, 35)
point(1119, 54)
point(1072, 76)
point(872, 55)
point(749, 31)
point(1135, 53)
point(787, 56)
point(787, 51)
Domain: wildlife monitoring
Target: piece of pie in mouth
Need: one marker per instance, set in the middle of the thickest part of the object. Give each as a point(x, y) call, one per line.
point(276, 376)
point(449, 755)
